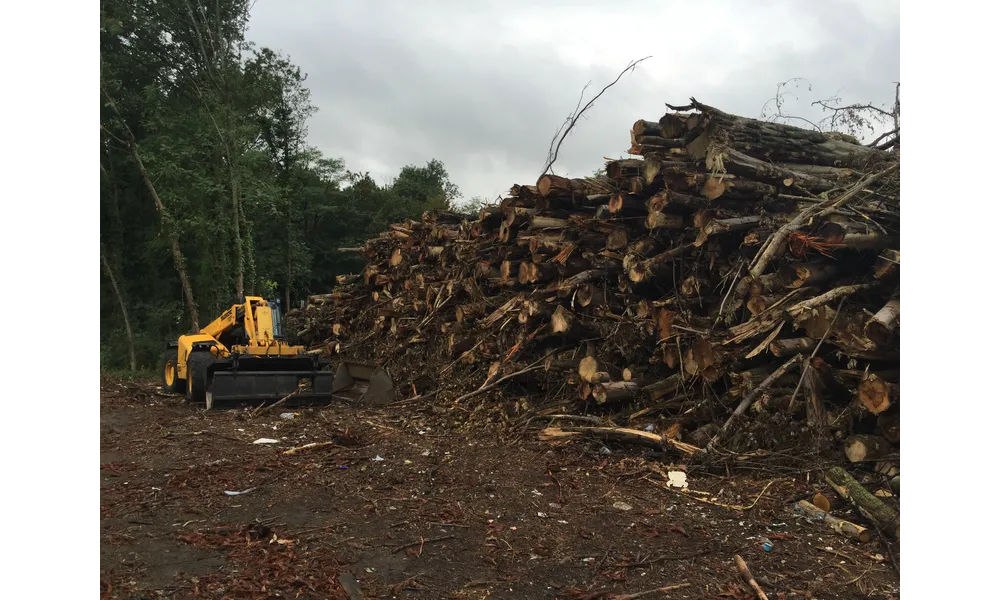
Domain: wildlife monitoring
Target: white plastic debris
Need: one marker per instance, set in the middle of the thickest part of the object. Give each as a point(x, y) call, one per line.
point(287, 415)
point(677, 479)
point(535, 493)
point(649, 427)
point(622, 506)
point(265, 441)
point(246, 491)
point(425, 453)
point(378, 458)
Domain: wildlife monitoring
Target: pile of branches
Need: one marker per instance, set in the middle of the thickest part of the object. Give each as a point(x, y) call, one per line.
point(729, 269)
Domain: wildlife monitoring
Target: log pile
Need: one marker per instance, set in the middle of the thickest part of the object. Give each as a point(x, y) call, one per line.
point(727, 267)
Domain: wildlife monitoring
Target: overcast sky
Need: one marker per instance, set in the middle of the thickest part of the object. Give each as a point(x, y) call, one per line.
point(483, 85)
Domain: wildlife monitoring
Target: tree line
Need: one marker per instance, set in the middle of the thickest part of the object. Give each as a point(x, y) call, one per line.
point(209, 188)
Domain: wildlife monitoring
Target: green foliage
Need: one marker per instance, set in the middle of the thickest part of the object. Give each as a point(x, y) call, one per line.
point(221, 128)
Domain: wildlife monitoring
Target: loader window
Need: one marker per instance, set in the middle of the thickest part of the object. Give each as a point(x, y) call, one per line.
point(276, 319)
point(237, 336)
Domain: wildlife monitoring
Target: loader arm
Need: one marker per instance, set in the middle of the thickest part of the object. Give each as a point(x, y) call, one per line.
point(255, 316)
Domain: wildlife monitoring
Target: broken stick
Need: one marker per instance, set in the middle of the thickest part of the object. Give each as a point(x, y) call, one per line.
point(744, 570)
point(845, 528)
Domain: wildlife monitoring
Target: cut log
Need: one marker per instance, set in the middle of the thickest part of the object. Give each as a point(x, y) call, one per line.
point(718, 226)
point(887, 264)
point(659, 220)
point(884, 324)
point(796, 276)
point(617, 239)
point(873, 509)
point(844, 528)
point(470, 312)
point(563, 321)
point(540, 222)
point(615, 391)
point(775, 142)
point(792, 346)
point(659, 266)
point(877, 395)
point(556, 186)
point(627, 167)
point(663, 387)
point(862, 448)
point(589, 370)
point(643, 127)
point(530, 272)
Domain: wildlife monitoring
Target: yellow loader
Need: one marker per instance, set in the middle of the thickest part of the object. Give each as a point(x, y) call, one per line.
point(238, 358)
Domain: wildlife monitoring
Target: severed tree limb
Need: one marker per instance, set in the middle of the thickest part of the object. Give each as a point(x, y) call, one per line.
point(571, 121)
point(617, 434)
point(750, 397)
point(747, 576)
point(535, 366)
point(310, 446)
point(806, 364)
point(845, 528)
point(776, 241)
point(879, 513)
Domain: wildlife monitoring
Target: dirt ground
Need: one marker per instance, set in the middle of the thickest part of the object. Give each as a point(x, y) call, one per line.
point(403, 502)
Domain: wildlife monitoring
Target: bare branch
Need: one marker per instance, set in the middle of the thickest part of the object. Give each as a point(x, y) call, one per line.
point(779, 99)
point(852, 107)
point(575, 116)
point(882, 137)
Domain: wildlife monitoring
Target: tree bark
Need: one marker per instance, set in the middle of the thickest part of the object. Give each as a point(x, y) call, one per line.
point(883, 325)
point(873, 509)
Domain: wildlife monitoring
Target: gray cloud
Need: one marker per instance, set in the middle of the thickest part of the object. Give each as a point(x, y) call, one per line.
point(483, 86)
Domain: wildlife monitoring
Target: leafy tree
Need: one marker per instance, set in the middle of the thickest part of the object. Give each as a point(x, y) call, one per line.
point(209, 188)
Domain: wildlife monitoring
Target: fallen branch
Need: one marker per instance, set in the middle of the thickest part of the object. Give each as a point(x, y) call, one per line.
point(571, 121)
point(750, 397)
point(422, 541)
point(870, 507)
point(806, 363)
point(844, 528)
point(744, 570)
point(617, 434)
point(776, 241)
point(266, 407)
point(666, 588)
point(311, 446)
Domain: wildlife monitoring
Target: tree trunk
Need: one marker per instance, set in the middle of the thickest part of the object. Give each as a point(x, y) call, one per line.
point(175, 244)
point(235, 191)
point(121, 303)
point(877, 395)
point(884, 324)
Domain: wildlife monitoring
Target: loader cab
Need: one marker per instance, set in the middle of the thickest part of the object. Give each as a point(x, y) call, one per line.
point(279, 330)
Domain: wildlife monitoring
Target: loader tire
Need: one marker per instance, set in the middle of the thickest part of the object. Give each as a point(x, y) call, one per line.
point(198, 373)
point(171, 382)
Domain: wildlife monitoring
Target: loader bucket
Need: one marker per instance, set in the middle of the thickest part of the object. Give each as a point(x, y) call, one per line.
point(269, 379)
point(360, 383)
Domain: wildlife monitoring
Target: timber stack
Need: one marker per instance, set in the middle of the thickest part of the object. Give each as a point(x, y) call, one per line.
point(728, 267)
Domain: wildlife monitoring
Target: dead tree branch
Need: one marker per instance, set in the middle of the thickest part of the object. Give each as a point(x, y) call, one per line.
point(570, 122)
